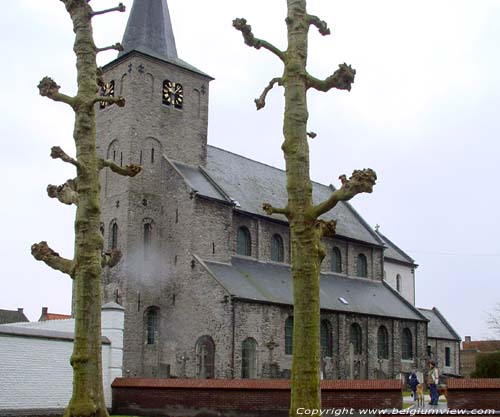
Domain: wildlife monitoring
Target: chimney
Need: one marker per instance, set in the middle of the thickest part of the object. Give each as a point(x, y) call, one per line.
point(43, 317)
point(467, 338)
point(20, 310)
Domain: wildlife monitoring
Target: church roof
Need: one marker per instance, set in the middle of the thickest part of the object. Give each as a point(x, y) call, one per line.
point(271, 282)
point(393, 252)
point(438, 327)
point(247, 183)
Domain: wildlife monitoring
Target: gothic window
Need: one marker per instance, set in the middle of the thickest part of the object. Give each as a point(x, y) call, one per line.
point(447, 356)
point(398, 282)
point(382, 343)
point(406, 344)
point(277, 250)
point(356, 338)
point(205, 357)
point(173, 94)
point(147, 238)
point(336, 261)
point(151, 325)
point(326, 338)
point(289, 336)
point(243, 242)
point(362, 266)
point(113, 237)
point(249, 358)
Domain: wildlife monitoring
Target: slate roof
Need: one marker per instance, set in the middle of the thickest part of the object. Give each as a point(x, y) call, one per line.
point(40, 333)
point(233, 178)
point(394, 252)
point(12, 316)
point(438, 327)
point(272, 283)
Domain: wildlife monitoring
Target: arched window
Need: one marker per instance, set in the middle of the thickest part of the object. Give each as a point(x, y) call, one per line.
point(243, 242)
point(382, 343)
point(151, 325)
point(113, 237)
point(406, 344)
point(356, 338)
point(336, 261)
point(147, 239)
point(398, 282)
point(362, 266)
point(289, 336)
point(249, 358)
point(277, 251)
point(326, 338)
point(205, 357)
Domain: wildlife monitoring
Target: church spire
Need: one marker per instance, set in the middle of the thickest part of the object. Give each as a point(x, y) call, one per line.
point(149, 30)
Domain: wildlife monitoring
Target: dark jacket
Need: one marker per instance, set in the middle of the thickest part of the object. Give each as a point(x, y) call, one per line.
point(413, 381)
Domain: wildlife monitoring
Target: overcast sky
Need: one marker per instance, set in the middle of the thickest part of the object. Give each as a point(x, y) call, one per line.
point(423, 112)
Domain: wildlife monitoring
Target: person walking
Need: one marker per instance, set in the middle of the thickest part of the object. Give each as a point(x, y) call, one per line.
point(433, 381)
point(413, 382)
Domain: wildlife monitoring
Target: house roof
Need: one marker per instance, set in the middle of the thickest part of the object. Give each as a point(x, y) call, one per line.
point(393, 252)
point(438, 327)
point(482, 345)
point(271, 282)
point(12, 316)
point(55, 316)
point(247, 183)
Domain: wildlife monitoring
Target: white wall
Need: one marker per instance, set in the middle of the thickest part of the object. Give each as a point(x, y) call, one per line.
point(391, 270)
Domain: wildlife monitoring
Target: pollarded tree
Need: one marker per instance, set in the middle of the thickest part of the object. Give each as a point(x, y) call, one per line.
point(83, 192)
point(307, 229)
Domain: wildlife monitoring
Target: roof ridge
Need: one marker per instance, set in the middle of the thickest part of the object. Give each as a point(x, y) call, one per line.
point(446, 323)
point(415, 309)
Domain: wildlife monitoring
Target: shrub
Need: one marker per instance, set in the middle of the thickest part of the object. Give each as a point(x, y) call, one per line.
point(487, 365)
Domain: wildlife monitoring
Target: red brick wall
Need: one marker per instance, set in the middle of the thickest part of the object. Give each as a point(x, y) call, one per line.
point(253, 398)
point(472, 394)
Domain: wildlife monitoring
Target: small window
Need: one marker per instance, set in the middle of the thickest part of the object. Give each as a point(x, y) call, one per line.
point(336, 261)
point(205, 357)
point(244, 242)
point(447, 356)
point(151, 326)
point(362, 266)
point(407, 344)
point(113, 238)
point(147, 239)
point(277, 250)
point(398, 282)
point(326, 338)
point(152, 155)
point(429, 351)
point(249, 359)
point(382, 343)
point(289, 336)
point(356, 338)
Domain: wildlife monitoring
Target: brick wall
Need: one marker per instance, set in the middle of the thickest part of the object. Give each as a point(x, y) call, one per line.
point(270, 398)
point(472, 394)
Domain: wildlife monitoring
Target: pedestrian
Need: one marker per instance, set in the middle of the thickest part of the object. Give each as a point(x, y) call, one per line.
point(413, 382)
point(432, 381)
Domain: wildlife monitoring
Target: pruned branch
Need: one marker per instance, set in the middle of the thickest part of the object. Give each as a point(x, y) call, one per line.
point(127, 171)
point(326, 228)
point(340, 79)
point(261, 101)
point(270, 210)
point(100, 77)
point(111, 258)
point(58, 153)
point(117, 47)
point(119, 101)
point(312, 135)
point(42, 252)
point(361, 181)
point(66, 193)
point(49, 88)
point(119, 8)
point(251, 40)
point(320, 24)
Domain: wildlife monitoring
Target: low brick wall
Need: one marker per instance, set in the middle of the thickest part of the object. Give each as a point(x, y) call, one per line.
point(470, 394)
point(242, 398)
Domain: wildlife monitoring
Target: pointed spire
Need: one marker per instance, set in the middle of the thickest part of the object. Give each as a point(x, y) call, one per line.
point(149, 30)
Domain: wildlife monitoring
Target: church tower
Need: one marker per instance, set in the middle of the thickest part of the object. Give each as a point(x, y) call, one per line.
point(166, 115)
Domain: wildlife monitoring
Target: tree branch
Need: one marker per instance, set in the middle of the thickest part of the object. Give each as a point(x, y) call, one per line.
point(340, 79)
point(111, 258)
point(270, 210)
point(326, 228)
point(49, 88)
point(361, 181)
point(42, 252)
point(58, 153)
point(261, 101)
point(251, 40)
point(119, 8)
point(117, 47)
point(320, 24)
point(120, 101)
point(66, 193)
point(128, 171)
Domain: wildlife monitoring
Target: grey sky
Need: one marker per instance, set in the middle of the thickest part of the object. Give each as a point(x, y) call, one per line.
point(422, 113)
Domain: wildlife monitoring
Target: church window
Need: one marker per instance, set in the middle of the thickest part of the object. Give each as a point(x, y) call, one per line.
point(249, 359)
point(429, 351)
point(382, 343)
point(114, 155)
point(101, 228)
point(147, 238)
point(398, 282)
point(356, 338)
point(113, 238)
point(447, 356)
point(277, 250)
point(107, 90)
point(140, 158)
point(289, 336)
point(406, 344)
point(152, 155)
point(205, 357)
point(151, 325)
point(243, 242)
point(336, 260)
point(173, 94)
point(121, 159)
point(362, 266)
point(326, 338)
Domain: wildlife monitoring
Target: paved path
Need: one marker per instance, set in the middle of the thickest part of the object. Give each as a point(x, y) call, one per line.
point(427, 406)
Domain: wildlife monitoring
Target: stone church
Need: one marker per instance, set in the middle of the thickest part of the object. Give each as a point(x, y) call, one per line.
point(205, 278)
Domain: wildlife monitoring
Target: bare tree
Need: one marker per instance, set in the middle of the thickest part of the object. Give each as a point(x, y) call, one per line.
point(307, 229)
point(83, 192)
point(493, 320)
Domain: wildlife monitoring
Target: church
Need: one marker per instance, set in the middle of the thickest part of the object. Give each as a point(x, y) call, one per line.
point(205, 275)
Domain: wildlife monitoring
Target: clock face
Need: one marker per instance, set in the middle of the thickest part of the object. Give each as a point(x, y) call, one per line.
point(173, 94)
point(107, 90)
